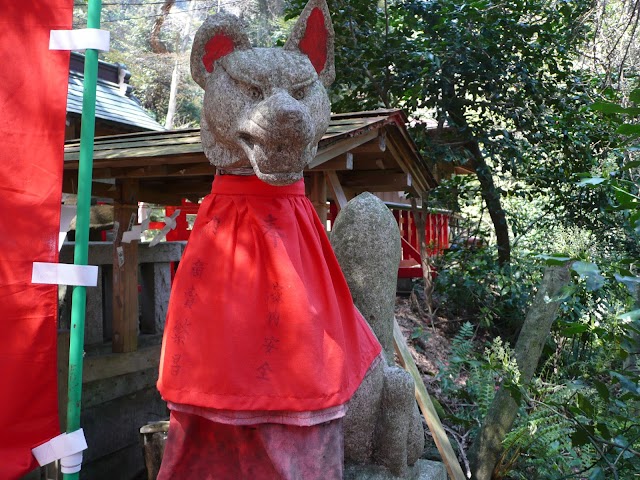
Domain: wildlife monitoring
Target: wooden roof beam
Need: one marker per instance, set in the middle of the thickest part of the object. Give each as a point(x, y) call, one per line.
point(377, 181)
point(150, 171)
point(187, 188)
point(98, 189)
point(337, 192)
point(117, 162)
point(343, 162)
point(377, 145)
point(421, 183)
point(341, 147)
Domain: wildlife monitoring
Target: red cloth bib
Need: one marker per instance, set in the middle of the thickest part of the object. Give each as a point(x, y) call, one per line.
point(260, 315)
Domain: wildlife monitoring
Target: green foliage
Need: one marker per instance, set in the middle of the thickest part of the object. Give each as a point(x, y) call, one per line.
point(499, 73)
point(590, 382)
point(589, 426)
point(578, 417)
point(541, 442)
point(582, 397)
point(461, 350)
point(471, 285)
point(461, 380)
point(501, 357)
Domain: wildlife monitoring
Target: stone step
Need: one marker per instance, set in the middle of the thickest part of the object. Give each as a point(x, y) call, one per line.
point(422, 470)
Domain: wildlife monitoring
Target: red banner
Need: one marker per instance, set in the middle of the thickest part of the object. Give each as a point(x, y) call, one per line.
point(32, 123)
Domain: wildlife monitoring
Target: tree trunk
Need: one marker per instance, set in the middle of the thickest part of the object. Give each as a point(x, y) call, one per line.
point(455, 108)
point(175, 75)
point(156, 44)
point(487, 447)
point(173, 90)
point(491, 197)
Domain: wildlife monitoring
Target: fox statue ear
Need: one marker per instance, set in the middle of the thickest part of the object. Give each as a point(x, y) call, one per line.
point(313, 35)
point(218, 36)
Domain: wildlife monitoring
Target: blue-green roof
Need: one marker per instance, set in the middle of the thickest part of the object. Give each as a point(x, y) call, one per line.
point(111, 105)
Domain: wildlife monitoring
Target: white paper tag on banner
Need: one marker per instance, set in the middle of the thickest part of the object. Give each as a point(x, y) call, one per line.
point(64, 274)
point(80, 39)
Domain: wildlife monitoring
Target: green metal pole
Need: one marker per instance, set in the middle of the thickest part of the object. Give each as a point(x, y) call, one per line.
point(81, 252)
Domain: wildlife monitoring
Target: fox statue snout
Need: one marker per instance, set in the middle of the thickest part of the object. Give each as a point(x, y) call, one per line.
point(278, 137)
point(264, 108)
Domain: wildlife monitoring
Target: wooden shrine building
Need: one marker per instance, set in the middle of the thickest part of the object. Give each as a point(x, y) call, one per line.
point(368, 151)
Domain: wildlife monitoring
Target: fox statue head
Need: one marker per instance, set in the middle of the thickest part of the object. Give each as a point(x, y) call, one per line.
point(264, 108)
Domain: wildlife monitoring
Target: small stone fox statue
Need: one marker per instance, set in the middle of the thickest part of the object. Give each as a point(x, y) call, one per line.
point(263, 347)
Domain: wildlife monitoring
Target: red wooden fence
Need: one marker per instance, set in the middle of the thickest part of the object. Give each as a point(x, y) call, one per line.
point(436, 232)
point(436, 237)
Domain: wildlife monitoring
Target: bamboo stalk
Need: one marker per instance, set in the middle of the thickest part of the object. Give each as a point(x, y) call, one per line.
point(426, 406)
point(81, 251)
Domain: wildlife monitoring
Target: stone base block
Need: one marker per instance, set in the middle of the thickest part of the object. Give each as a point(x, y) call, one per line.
point(422, 470)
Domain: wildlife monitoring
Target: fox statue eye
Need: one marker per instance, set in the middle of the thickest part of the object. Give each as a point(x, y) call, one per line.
point(299, 93)
point(255, 93)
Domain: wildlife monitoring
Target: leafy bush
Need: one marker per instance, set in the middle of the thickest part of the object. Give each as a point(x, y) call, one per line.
point(473, 286)
point(579, 416)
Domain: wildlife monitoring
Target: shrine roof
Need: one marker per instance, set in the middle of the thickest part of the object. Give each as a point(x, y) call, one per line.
point(114, 101)
point(368, 151)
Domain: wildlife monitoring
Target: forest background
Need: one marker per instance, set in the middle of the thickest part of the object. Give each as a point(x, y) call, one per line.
point(541, 100)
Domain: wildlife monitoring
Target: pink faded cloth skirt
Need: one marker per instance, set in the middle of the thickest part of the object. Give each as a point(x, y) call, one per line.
point(199, 449)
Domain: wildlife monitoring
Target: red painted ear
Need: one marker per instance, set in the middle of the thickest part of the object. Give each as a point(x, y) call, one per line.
point(313, 36)
point(218, 36)
point(219, 46)
point(314, 42)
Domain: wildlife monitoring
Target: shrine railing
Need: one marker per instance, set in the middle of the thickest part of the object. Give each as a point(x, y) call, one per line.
point(437, 232)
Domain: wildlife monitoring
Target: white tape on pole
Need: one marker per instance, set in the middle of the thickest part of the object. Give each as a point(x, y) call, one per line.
point(64, 274)
point(80, 39)
point(67, 448)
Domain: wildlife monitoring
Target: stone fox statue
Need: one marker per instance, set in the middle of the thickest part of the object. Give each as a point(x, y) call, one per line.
point(263, 347)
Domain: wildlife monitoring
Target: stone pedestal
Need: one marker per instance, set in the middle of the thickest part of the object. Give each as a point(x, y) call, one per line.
point(94, 323)
point(156, 288)
point(421, 470)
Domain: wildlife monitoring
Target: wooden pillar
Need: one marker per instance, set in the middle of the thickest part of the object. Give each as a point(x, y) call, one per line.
point(125, 271)
point(318, 196)
point(339, 195)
